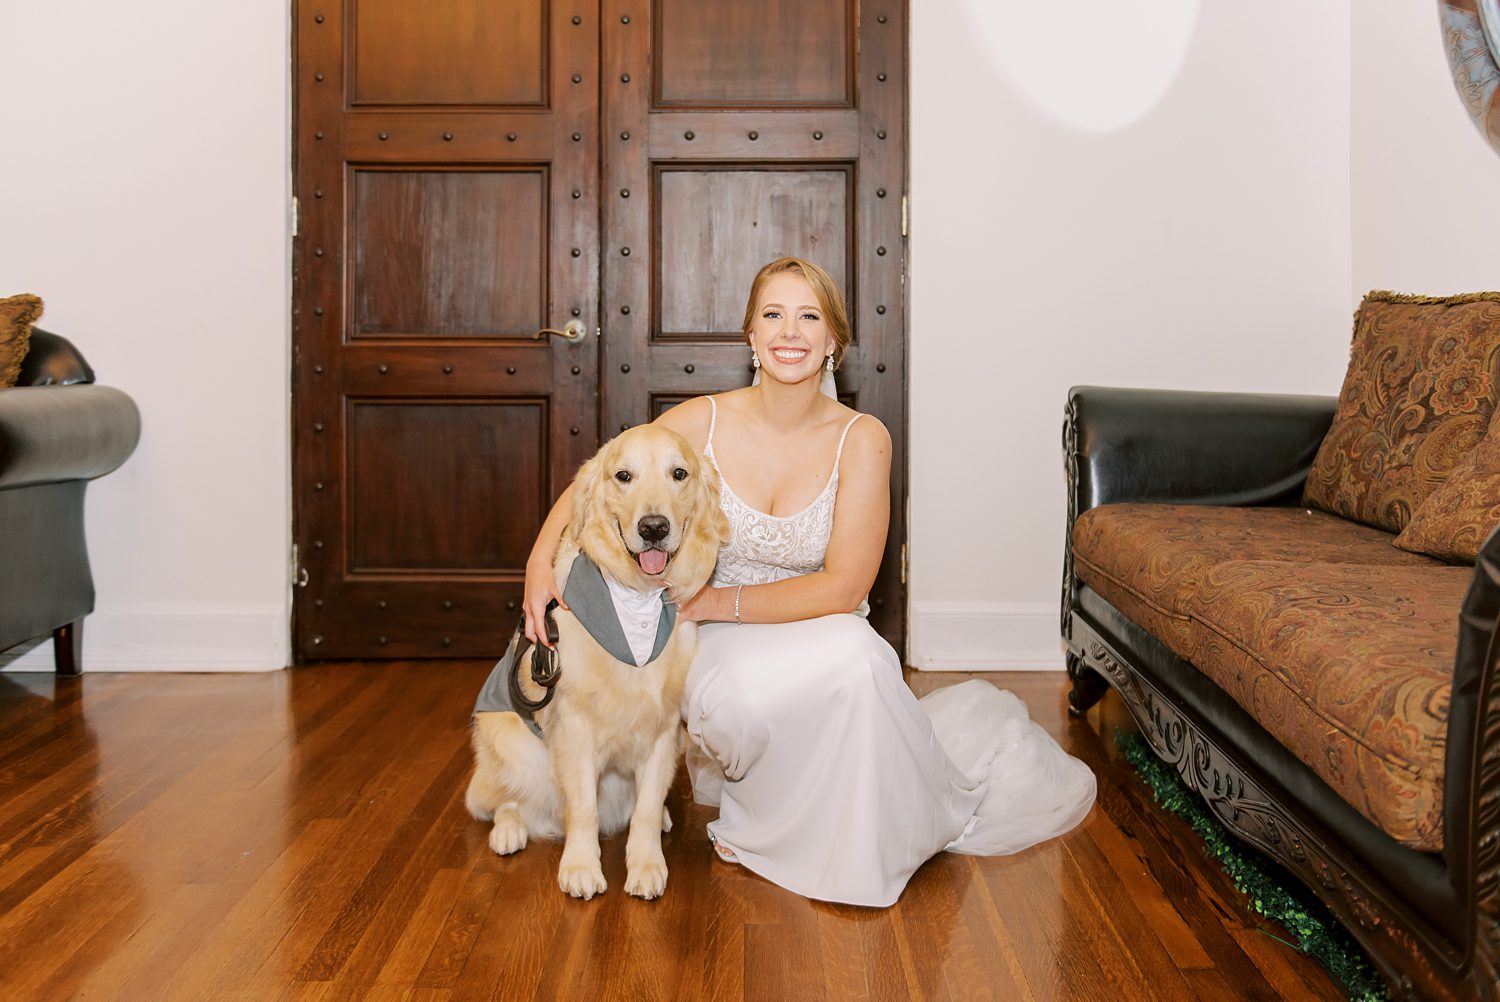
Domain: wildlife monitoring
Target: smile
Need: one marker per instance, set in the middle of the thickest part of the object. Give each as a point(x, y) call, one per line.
point(792, 355)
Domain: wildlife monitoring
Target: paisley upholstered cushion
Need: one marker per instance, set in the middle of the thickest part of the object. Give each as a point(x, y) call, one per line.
point(1350, 667)
point(1339, 644)
point(1147, 560)
point(1418, 395)
point(17, 314)
point(1459, 516)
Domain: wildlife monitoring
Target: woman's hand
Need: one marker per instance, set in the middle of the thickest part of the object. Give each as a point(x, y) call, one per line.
point(704, 606)
point(541, 588)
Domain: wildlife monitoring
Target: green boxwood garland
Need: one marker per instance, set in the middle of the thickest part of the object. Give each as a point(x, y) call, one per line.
point(1318, 933)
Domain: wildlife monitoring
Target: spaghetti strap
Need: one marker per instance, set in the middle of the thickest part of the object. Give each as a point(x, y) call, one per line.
point(840, 453)
point(713, 418)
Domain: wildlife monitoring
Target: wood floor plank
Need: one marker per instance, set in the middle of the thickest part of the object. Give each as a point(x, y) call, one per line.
point(1117, 908)
point(782, 960)
point(1126, 860)
point(841, 953)
point(450, 951)
point(251, 923)
point(720, 965)
point(302, 835)
point(981, 915)
point(1277, 962)
point(383, 891)
point(1200, 891)
point(884, 976)
point(403, 963)
point(513, 943)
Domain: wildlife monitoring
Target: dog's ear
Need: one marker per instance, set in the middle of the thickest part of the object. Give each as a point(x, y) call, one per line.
point(716, 523)
point(585, 493)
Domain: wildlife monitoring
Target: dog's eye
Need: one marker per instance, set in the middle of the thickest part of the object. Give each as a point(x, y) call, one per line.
point(679, 474)
point(623, 476)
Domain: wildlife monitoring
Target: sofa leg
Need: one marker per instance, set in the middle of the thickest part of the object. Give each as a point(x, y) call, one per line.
point(1088, 686)
point(67, 648)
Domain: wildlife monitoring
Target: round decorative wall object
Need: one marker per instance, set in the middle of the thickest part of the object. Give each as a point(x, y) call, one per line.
point(1471, 37)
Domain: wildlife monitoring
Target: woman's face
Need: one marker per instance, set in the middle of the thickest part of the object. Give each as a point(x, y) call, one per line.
point(789, 332)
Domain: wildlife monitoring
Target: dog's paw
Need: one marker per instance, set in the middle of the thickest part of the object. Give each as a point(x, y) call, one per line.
point(508, 835)
point(666, 820)
point(581, 880)
point(646, 880)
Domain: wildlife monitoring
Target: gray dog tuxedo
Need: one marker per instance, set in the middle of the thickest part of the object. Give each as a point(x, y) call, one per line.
point(588, 597)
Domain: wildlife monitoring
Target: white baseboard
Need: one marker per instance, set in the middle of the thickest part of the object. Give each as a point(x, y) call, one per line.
point(195, 639)
point(985, 636)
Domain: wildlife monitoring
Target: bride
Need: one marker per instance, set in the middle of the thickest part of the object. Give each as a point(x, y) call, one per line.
point(831, 778)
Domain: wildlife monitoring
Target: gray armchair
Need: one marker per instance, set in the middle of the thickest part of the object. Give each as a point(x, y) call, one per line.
point(58, 431)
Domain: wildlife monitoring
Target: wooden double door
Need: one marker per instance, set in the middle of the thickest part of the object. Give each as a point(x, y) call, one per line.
point(470, 173)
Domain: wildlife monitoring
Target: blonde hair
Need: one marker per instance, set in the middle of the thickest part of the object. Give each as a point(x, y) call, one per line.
point(823, 286)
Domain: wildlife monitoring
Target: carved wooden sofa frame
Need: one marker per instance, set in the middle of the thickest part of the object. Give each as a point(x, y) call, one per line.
point(1431, 922)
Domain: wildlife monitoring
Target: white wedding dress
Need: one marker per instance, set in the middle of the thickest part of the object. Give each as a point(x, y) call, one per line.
point(831, 778)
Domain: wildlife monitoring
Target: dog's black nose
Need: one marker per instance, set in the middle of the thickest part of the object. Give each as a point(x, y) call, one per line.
point(653, 528)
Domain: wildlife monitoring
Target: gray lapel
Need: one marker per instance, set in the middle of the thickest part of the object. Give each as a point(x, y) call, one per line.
point(588, 597)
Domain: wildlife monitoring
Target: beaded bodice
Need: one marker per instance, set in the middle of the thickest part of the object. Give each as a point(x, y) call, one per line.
point(764, 548)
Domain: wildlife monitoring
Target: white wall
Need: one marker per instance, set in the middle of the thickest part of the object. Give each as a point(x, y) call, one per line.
point(145, 200)
point(1203, 243)
point(1425, 185)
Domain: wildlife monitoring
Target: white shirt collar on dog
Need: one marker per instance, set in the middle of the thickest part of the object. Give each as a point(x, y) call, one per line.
point(640, 616)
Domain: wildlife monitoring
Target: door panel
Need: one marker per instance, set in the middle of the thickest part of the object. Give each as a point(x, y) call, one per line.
point(761, 135)
point(455, 52)
point(452, 253)
point(448, 186)
point(451, 514)
point(754, 54)
point(739, 219)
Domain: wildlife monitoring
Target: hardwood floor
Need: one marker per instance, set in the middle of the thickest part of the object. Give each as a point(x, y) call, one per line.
point(302, 835)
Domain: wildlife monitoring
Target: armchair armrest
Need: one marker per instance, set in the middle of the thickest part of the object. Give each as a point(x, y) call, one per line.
point(52, 433)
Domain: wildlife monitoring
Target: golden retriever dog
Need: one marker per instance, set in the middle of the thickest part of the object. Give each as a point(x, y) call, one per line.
point(646, 512)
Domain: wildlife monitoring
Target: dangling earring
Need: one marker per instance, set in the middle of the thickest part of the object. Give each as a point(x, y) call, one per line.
point(829, 366)
point(754, 359)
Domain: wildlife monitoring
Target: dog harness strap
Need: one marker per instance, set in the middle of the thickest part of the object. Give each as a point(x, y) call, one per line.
point(501, 692)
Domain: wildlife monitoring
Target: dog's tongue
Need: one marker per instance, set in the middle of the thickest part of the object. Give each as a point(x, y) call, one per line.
point(653, 561)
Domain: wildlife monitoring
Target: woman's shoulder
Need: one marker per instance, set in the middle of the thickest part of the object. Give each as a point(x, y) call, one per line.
point(690, 419)
point(866, 436)
point(867, 425)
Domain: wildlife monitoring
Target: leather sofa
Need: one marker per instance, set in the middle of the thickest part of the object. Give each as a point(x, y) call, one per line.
point(1425, 902)
point(58, 431)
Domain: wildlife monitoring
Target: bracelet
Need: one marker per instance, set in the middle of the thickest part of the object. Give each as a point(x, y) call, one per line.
point(737, 603)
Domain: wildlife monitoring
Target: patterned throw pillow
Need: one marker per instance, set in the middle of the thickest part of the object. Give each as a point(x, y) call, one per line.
point(1459, 516)
point(17, 314)
point(1421, 386)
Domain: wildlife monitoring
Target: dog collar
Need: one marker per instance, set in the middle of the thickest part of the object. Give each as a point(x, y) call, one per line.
point(587, 596)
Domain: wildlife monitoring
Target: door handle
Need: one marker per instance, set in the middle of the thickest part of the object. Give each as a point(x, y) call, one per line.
point(572, 330)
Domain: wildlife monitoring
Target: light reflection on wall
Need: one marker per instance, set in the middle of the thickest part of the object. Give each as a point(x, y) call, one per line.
point(1093, 65)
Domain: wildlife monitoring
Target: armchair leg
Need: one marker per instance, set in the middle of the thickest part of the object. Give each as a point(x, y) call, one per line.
point(67, 648)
